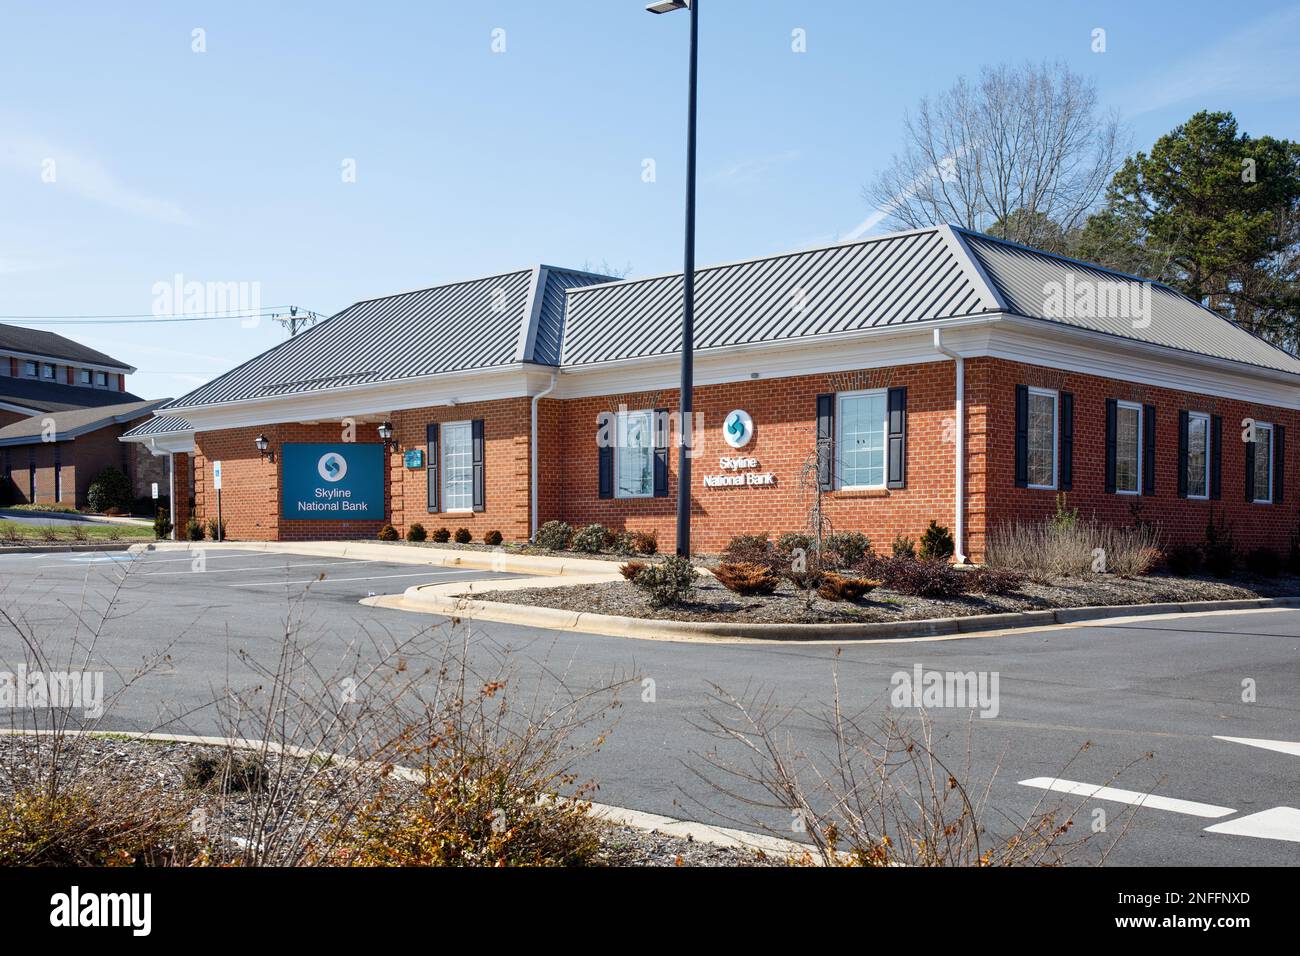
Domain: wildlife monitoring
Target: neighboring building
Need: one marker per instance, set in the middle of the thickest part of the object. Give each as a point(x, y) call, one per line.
point(53, 457)
point(931, 374)
point(45, 372)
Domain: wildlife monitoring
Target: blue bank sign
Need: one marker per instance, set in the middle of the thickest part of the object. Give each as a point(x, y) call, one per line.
point(332, 482)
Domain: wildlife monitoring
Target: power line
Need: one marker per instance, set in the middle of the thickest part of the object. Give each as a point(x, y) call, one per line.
point(151, 320)
point(231, 313)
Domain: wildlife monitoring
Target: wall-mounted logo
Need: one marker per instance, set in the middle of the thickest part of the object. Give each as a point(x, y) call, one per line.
point(737, 428)
point(332, 466)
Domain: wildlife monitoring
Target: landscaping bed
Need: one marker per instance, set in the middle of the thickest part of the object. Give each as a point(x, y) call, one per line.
point(14, 532)
point(710, 601)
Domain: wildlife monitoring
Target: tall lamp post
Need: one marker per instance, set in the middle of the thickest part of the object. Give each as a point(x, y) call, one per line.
point(685, 402)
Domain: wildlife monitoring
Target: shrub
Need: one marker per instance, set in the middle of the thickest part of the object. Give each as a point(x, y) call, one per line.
point(1045, 550)
point(1264, 562)
point(844, 549)
point(388, 533)
point(668, 582)
point(109, 489)
point(986, 580)
point(1064, 519)
point(751, 549)
point(217, 529)
point(936, 543)
point(1183, 560)
point(554, 536)
point(632, 569)
point(162, 524)
point(591, 539)
point(147, 504)
point(416, 533)
point(747, 578)
point(903, 547)
point(193, 530)
point(835, 587)
point(645, 542)
point(228, 772)
point(462, 536)
point(932, 579)
point(1293, 556)
point(793, 541)
point(1219, 553)
point(492, 538)
point(441, 535)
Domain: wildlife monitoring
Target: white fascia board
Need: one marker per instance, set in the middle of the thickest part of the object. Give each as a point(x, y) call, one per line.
point(472, 385)
point(56, 360)
point(1036, 342)
point(20, 409)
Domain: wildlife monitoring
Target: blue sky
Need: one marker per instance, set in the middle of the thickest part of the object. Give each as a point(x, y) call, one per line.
point(226, 165)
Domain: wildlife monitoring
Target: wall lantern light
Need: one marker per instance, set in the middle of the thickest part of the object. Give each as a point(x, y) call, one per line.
point(386, 432)
point(262, 446)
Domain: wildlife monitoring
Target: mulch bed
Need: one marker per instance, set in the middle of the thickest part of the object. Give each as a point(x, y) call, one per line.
point(713, 602)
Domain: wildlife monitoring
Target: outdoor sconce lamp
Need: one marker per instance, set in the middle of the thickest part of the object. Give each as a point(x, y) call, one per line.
point(386, 432)
point(262, 446)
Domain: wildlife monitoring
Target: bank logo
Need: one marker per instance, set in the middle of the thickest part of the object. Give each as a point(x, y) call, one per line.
point(332, 466)
point(737, 428)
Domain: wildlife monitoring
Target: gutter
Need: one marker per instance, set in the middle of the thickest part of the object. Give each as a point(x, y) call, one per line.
point(959, 521)
point(532, 456)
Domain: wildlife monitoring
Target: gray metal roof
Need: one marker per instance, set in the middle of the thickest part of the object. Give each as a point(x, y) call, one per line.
point(1031, 282)
point(45, 396)
point(483, 323)
point(160, 425)
point(78, 421)
point(889, 280)
point(16, 338)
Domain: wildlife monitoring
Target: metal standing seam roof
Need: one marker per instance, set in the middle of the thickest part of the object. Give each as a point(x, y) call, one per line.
point(17, 338)
point(45, 396)
point(160, 425)
point(482, 323)
point(69, 424)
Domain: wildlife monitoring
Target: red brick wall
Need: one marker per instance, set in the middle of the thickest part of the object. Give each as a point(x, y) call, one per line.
point(994, 497)
point(182, 475)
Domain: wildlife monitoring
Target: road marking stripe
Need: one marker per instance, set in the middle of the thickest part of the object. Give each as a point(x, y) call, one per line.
point(259, 567)
point(1127, 796)
point(1279, 823)
point(1281, 746)
point(374, 577)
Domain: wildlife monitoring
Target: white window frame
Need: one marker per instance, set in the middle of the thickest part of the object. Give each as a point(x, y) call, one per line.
point(1199, 417)
point(1141, 446)
point(839, 439)
point(87, 377)
point(1268, 426)
point(101, 375)
point(31, 369)
point(444, 432)
point(1056, 436)
point(53, 371)
point(621, 421)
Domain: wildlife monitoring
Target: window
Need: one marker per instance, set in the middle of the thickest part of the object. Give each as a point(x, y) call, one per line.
point(457, 467)
point(1263, 464)
point(47, 371)
point(29, 369)
point(85, 376)
point(101, 379)
point(861, 422)
point(1198, 455)
point(634, 453)
point(1042, 438)
point(1128, 448)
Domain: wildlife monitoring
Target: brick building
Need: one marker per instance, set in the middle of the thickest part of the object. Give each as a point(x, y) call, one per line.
point(930, 374)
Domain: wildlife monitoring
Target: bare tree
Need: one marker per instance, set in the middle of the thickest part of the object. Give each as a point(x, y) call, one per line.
point(1024, 153)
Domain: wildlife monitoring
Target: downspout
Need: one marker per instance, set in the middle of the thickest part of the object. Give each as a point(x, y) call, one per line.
point(959, 531)
point(532, 482)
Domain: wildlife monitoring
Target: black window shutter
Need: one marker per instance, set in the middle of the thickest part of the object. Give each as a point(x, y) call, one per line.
point(476, 447)
point(1183, 427)
point(1216, 456)
point(1111, 406)
point(1067, 441)
point(605, 454)
point(1279, 460)
point(826, 442)
point(1250, 471)
point(897, 474)
point(1022, 436)
point(431, 465)
point(1148, 449)
point(661, 452)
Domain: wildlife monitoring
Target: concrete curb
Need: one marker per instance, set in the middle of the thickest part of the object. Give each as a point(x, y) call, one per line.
point(448, 600)
point(532, 564)
point(637, 819)
point(66, 548)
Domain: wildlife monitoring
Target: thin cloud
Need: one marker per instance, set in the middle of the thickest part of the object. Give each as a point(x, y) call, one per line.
point(748, 172)
point(84, 176)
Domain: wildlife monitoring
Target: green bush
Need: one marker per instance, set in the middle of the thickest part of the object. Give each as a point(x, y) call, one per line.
point(1219, 551)
point(462, 536)
point(932, 579)
point(441, 535)
point(791, 541)
point(936, 543)
point(109, 489)
point(591, 539)
point(416, 533)
point(217, 529)
point(903, 547)
point(845, 549)
point(554, 536)
point(162, 524)
point(751, 549)
point(492, 538)
point(193, 530)
point(668, 582)
point(388, 533)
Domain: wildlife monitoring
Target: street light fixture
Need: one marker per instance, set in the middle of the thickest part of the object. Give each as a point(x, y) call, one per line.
point(262, 446)
point(685, 403)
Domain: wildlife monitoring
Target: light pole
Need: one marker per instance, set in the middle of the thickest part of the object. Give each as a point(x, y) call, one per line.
point(685, 403)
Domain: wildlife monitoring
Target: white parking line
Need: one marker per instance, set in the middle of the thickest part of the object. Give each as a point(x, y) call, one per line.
point(1279, 823)
point(1281, 746)
point(373, 577)
point(260, 567)
point(1128, 796)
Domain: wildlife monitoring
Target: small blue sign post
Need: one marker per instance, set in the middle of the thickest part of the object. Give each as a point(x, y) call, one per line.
point(335, 482)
